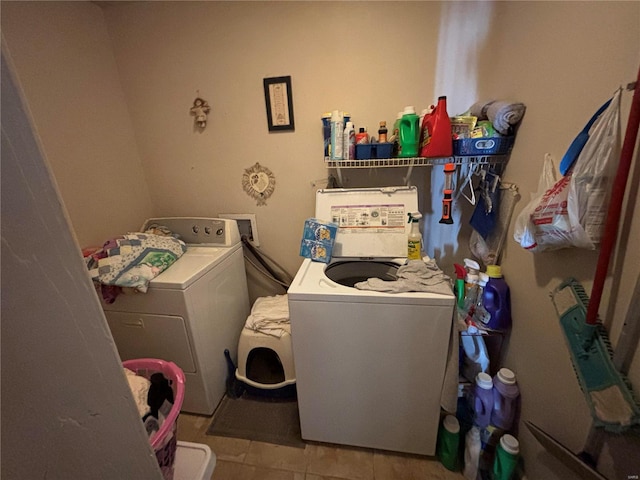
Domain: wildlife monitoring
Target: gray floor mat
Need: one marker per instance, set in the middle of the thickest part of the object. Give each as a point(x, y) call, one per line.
point(257, 419)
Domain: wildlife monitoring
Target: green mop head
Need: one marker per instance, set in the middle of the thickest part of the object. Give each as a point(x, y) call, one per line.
point(607, 391)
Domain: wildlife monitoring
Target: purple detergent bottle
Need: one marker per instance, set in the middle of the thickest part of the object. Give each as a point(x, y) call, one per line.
point(496, 299)
point(505, 399)
point(483, 400)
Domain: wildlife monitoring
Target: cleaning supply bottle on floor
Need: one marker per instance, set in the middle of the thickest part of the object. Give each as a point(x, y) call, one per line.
point(506, 459)
point(414, 243)
point(505, 399)
point(449, 443)
point(471, 454)
point(482, 400)
point(437, 137)
point(496, 299)
point(409, 133)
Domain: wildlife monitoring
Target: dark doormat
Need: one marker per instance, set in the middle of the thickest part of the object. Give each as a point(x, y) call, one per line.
point(260, 419)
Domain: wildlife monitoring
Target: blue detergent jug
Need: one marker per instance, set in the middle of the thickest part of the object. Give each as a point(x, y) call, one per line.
point(496, 299)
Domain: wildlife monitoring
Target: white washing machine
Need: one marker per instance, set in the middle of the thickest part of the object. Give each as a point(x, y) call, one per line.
point(369, 365)
point(192, 311)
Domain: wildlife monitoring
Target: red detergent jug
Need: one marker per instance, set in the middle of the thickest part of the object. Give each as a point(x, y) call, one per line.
point(437, 132)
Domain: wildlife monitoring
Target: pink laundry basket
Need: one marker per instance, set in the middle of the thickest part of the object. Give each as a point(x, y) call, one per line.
point(164, 442)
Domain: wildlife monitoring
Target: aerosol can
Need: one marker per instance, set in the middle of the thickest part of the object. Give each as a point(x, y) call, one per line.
point(414, 244)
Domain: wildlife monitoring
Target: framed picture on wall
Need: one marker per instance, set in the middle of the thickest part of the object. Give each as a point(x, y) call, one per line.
point(279, 101)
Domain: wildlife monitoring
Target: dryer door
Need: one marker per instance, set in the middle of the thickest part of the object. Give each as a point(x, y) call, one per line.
point(141, 335)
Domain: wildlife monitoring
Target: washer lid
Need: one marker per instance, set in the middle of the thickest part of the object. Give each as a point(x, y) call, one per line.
point(372, 221)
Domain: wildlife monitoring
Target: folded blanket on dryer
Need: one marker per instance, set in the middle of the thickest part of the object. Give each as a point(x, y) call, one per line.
point(414, 276)
point(270, 315)
point(133, 260)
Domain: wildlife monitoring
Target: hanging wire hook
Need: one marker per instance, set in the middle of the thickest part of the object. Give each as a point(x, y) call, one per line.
point(471, 170)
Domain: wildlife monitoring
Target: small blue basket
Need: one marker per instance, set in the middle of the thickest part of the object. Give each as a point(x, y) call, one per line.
point(483, 146)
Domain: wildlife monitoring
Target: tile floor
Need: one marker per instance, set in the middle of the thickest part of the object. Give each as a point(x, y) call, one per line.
point(238, 459)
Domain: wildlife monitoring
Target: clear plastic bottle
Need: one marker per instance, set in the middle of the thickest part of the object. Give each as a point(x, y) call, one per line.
point(414, 242)
point(480, 315)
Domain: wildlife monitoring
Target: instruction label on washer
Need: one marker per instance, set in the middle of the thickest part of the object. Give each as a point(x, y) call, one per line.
point(370, 218)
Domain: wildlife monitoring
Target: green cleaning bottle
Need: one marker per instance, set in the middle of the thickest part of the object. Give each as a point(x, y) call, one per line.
point(414, 244)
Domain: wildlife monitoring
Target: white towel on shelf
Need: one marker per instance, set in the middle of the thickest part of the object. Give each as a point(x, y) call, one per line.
point(270, 315)
point(501, 113)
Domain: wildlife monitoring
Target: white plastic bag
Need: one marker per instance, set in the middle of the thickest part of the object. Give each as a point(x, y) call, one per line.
point(593, 175)
point(536, 225)
point(571, 212)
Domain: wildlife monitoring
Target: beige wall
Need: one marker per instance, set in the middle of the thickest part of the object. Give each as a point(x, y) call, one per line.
point(562, 59)
point(67, 411)
point(67, 70)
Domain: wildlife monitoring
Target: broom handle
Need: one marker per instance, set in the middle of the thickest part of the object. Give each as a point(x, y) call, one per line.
point(615, 206)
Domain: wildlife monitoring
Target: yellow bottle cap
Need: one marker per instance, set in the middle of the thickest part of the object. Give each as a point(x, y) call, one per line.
point(494, 271)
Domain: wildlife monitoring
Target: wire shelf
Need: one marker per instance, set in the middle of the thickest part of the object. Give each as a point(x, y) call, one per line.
point(416, 161)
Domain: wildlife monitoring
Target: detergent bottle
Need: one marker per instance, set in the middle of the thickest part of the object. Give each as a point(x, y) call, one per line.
point(482, 400)
point(424, 131)
point(496, 299)
point(476, 355)
point(414, 243)
point(448, 444)
point(437, 132)
point(506, 459)
point(506, 396)
point(409, 133)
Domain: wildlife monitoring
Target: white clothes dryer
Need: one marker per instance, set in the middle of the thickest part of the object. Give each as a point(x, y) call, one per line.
point(369, 365)
point(192, 311)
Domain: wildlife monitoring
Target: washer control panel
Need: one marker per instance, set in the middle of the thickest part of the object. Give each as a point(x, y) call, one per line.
point(218, 232)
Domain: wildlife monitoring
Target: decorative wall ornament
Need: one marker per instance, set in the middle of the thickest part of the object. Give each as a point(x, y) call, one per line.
point(259, 183)
point(279, 101)
point(200, 110)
